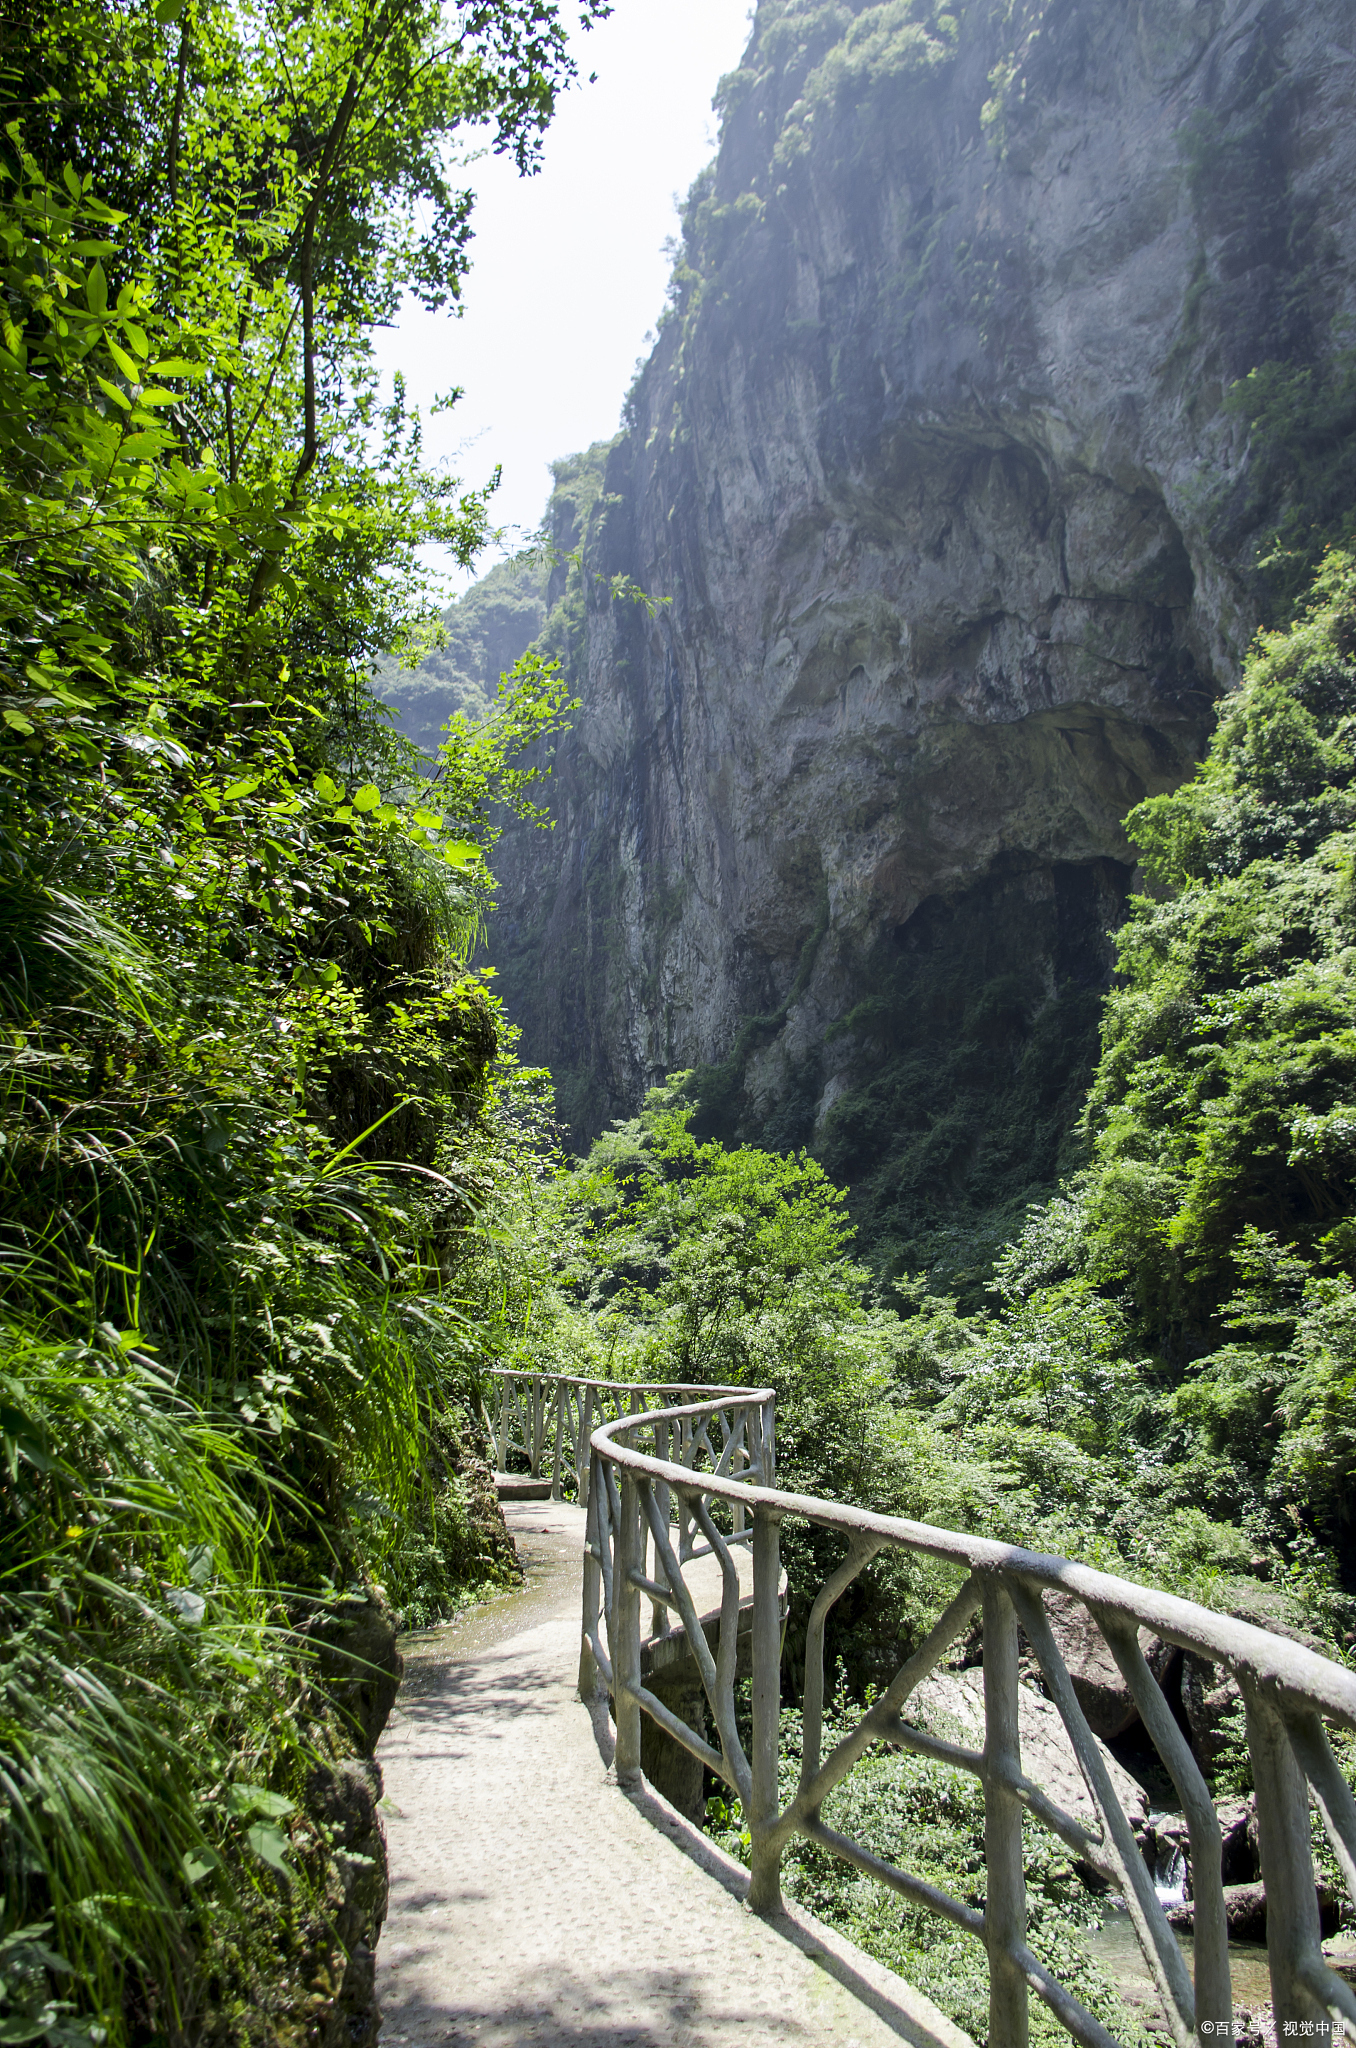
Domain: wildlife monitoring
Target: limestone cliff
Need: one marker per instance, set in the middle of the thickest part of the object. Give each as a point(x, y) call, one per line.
point(956, 532)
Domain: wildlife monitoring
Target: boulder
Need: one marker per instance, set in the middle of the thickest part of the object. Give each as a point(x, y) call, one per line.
point(359, 1663)
point(951, 1704)
point(1245, 1909)
point(1239, 1863)
point(344, 1798)
point(1102, 1693)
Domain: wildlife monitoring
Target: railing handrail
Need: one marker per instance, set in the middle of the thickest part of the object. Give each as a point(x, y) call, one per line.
point(632, 1497)
point(547, 1417)
point(589, 1379)
point(1270, 1659)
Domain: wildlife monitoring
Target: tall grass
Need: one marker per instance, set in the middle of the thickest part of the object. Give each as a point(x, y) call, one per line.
point(223, 1344)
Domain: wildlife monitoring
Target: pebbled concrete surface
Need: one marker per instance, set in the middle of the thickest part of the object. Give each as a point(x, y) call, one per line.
point(534, 1902)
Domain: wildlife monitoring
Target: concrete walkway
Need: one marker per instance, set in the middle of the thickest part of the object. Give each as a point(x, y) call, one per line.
point(532, 1901)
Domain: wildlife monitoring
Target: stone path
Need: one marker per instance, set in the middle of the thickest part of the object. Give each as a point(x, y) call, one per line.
point(534, 1902)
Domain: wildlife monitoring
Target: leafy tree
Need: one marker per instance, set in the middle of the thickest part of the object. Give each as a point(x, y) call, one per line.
point(249, 1112)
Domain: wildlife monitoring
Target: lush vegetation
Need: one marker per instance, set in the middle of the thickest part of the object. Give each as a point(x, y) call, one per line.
point(1160, 1376)
point(275, 1192)
point(254, 1102)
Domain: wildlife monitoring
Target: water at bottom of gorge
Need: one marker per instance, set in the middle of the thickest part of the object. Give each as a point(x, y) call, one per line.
point(1116, 1947)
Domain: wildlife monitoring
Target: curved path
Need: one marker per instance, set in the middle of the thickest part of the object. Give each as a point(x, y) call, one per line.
point(535, 1902)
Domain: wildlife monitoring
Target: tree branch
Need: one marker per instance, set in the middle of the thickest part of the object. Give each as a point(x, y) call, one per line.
point(267, 568)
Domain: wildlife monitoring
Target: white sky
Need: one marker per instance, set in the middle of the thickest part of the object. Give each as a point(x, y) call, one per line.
point(568, 269)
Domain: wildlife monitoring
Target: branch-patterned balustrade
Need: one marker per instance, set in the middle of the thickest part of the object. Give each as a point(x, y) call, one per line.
point(663, 1482)
point(548, 1418)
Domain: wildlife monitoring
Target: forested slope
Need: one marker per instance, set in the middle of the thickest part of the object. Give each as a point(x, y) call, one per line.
point(254, 1107)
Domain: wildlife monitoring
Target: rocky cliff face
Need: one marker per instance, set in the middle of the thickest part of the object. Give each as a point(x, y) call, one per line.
point(957, 533)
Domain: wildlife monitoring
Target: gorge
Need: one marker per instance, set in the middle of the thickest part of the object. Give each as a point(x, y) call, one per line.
point(1001, 395)
point(941, 968)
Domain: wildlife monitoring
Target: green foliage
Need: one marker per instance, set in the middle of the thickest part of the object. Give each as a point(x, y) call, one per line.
point(1301, 477)
point(1222, 1099)
point(250, 1122)
point(928, 1820)
point(718, 1263)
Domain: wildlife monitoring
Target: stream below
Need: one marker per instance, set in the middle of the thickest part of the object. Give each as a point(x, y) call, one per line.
point(1115, 1946)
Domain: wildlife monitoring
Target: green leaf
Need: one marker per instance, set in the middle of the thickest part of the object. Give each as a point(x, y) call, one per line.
point(168, 11)
point(461, 853)
point(150, 441)
point(243, 1799)
point(115, 392)
point(245, 786)
point(327, 790)
point(430, 820)
point(386, 814)
point(315, 974)
point(16, 721)
point(270, 1846)
point(366, 797)
point(96, 290)
point(175, 366)
point(197, 1864)
point(123, 360)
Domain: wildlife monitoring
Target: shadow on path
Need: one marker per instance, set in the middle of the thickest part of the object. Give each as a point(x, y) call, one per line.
point(534, 1905)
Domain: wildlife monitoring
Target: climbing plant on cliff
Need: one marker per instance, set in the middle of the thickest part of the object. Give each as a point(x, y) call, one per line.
point(1216, 1223)
point(247, 1108)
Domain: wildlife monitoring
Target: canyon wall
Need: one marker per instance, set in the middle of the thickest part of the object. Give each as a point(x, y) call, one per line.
point(955, 521)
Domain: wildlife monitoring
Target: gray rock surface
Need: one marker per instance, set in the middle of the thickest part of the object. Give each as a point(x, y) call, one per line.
point(951, 533)
point(345, 1798)
point(951, 1703)
point(359, 1662)
point(1102, 1693)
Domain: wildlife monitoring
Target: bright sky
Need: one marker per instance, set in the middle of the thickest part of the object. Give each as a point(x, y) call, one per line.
point(569, 267)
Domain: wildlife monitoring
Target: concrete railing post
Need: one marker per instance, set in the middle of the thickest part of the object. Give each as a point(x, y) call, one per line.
point(1005, 1892)
point(558, 1454)
point(583, 1457)
point(626, 1633)
point(537, 1427)
point(589, 1674)
point(1287, 1866)
point(765, 1891)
